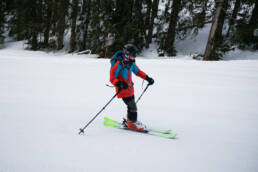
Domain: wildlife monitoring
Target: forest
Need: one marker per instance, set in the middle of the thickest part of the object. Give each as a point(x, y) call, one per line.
point(87, 24)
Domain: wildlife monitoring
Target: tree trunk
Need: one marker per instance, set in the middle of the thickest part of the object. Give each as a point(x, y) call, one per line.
point(140, 18)
point(167, 7)
point(171, 34)
point(48, 22)
point(73, 33)
point(87, 14)
point(61, 25)
point(147, 17)
point(253, 23)
point(254, 18)
point(2, 21)
point(234, 16)
point(33, 25)
point(210, 42)
point(154, 13)
point(20, 24)
point(219, 30)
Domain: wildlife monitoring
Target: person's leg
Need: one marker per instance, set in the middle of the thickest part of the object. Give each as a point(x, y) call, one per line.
point(131, 108)
point(132, 121)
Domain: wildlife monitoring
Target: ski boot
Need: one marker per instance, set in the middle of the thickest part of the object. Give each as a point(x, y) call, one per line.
point(137, 125)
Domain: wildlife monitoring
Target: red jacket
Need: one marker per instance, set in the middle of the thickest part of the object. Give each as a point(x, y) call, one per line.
point(120, 73)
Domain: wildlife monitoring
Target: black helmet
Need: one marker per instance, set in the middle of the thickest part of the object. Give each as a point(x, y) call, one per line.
point(130, 50)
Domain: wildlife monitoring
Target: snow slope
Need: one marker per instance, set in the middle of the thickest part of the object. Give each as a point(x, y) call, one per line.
point(46, 98)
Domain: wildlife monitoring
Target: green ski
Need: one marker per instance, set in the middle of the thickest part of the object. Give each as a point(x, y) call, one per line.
point(153, 130)
point(115, 124)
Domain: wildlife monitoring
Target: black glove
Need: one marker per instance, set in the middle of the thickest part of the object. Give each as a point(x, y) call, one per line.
point(121, 85)
point(150, 80)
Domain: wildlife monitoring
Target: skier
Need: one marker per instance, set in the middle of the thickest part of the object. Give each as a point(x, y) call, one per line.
point(122, 66)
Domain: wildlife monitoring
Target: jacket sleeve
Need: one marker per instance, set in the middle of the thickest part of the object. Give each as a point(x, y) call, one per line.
point(114, 73)
point(136, 70)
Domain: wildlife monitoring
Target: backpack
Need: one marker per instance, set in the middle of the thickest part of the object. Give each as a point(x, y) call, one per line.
point(118, 56)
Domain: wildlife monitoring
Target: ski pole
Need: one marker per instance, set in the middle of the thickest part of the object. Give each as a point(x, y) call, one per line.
point(143, 93)
point(82, 129)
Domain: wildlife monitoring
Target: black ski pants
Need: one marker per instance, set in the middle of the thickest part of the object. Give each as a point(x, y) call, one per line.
point(131, 108)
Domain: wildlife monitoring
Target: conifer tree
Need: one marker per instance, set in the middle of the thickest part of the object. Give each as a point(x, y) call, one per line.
point(219, 45)
point(139, 19)
point(154, 13)
point(73, 25)
point(47, 21)
point(123, 23)
point(84, 27)
point(147, 16)
point(107, 27)
point(247, 29)
point(233, 17)
point(95, 33)
point(2, 20)
point(61, 13)
point(17, 21)
point(171, 33)
point(44, 23)
point(253, 24)
point(210, 44)
point(32, 19)
point(221, 21)
point(167, 9)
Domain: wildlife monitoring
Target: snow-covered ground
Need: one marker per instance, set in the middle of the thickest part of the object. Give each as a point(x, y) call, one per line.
point(46, 98)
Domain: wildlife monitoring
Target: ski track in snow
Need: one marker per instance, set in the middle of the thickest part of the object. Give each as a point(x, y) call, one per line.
point(46, 98)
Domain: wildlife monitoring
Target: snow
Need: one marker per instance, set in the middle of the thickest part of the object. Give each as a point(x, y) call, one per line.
point(45, 98)
point(240, 55)
point(193, 44)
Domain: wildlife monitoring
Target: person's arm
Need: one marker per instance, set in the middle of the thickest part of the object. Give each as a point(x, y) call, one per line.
point(138, 72)
point(141, 74)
